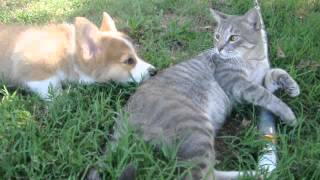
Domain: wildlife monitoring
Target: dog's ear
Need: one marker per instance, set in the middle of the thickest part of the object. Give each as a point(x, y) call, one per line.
point(87, 35)
point(107, 23)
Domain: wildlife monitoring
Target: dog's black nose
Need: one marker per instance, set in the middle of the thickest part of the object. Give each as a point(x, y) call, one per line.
point(152, 71)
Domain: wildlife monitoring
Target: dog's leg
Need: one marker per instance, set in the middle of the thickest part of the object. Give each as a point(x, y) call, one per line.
point(43, 87)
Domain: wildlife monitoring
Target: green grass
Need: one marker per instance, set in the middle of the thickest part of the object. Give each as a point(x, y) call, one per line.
point(64, 138)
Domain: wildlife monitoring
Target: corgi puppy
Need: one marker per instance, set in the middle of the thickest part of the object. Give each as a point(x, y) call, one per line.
point(44, 56)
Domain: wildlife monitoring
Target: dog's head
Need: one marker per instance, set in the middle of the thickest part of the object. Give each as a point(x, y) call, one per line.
point(106, 54)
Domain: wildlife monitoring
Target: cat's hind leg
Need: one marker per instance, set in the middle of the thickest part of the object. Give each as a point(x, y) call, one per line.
point(197, 148)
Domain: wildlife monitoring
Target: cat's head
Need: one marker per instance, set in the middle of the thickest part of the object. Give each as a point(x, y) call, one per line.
point(236, 35)
point(106, 54)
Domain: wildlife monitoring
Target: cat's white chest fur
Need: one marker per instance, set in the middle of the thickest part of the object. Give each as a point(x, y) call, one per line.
point(258, 70)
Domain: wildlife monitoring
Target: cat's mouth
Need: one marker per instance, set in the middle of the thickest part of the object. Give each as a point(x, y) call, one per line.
point(229, 56)
point(225, 54)
point(221, 53)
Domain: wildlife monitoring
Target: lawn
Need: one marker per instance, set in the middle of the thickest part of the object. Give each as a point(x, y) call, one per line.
point(64, 138)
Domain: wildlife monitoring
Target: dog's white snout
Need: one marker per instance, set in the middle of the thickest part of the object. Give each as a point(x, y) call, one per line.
point(152, 71)
point(142, 71)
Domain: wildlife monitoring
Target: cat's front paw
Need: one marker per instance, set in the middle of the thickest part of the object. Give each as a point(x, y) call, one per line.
point(288, 84)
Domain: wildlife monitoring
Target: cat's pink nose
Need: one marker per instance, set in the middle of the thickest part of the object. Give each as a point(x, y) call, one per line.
point(220, 48)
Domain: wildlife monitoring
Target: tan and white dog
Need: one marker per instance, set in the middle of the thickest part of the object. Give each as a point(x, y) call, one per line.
point(44, 56)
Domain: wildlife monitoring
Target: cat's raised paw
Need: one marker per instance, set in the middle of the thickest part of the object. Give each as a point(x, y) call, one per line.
point(289, 85)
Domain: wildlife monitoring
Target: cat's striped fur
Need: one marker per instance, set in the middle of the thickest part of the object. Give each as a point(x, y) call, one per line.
point(250, 46)
point(190, 101)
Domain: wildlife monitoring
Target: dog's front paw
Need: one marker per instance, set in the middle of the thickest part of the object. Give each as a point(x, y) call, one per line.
point(289, 85)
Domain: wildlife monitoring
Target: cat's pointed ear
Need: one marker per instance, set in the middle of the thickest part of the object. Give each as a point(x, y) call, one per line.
point(107, 23)
point(87, 35)
point(218, 16)
point(252, 17)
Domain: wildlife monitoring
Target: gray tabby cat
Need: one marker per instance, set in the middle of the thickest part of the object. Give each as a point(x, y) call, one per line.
point(190, 101)
point(242, 36)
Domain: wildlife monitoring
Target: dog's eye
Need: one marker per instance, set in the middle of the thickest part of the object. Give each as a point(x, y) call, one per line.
point(129, 61)
point(233, 38)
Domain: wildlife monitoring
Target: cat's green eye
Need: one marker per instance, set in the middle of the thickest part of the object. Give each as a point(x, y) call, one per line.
point(233, 38)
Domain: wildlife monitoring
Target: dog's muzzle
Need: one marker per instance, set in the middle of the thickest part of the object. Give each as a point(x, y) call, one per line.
point(152, 71)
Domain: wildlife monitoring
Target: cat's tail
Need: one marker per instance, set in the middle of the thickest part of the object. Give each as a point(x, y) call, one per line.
point(231, 175)
point(267, 163)
point(130, 174)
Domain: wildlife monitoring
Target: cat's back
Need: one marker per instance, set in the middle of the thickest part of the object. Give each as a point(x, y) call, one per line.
point(187, 78)
point(182, 81)
point(177, 95)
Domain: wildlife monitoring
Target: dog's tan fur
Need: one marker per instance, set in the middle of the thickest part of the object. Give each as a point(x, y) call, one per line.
point(76, 52)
